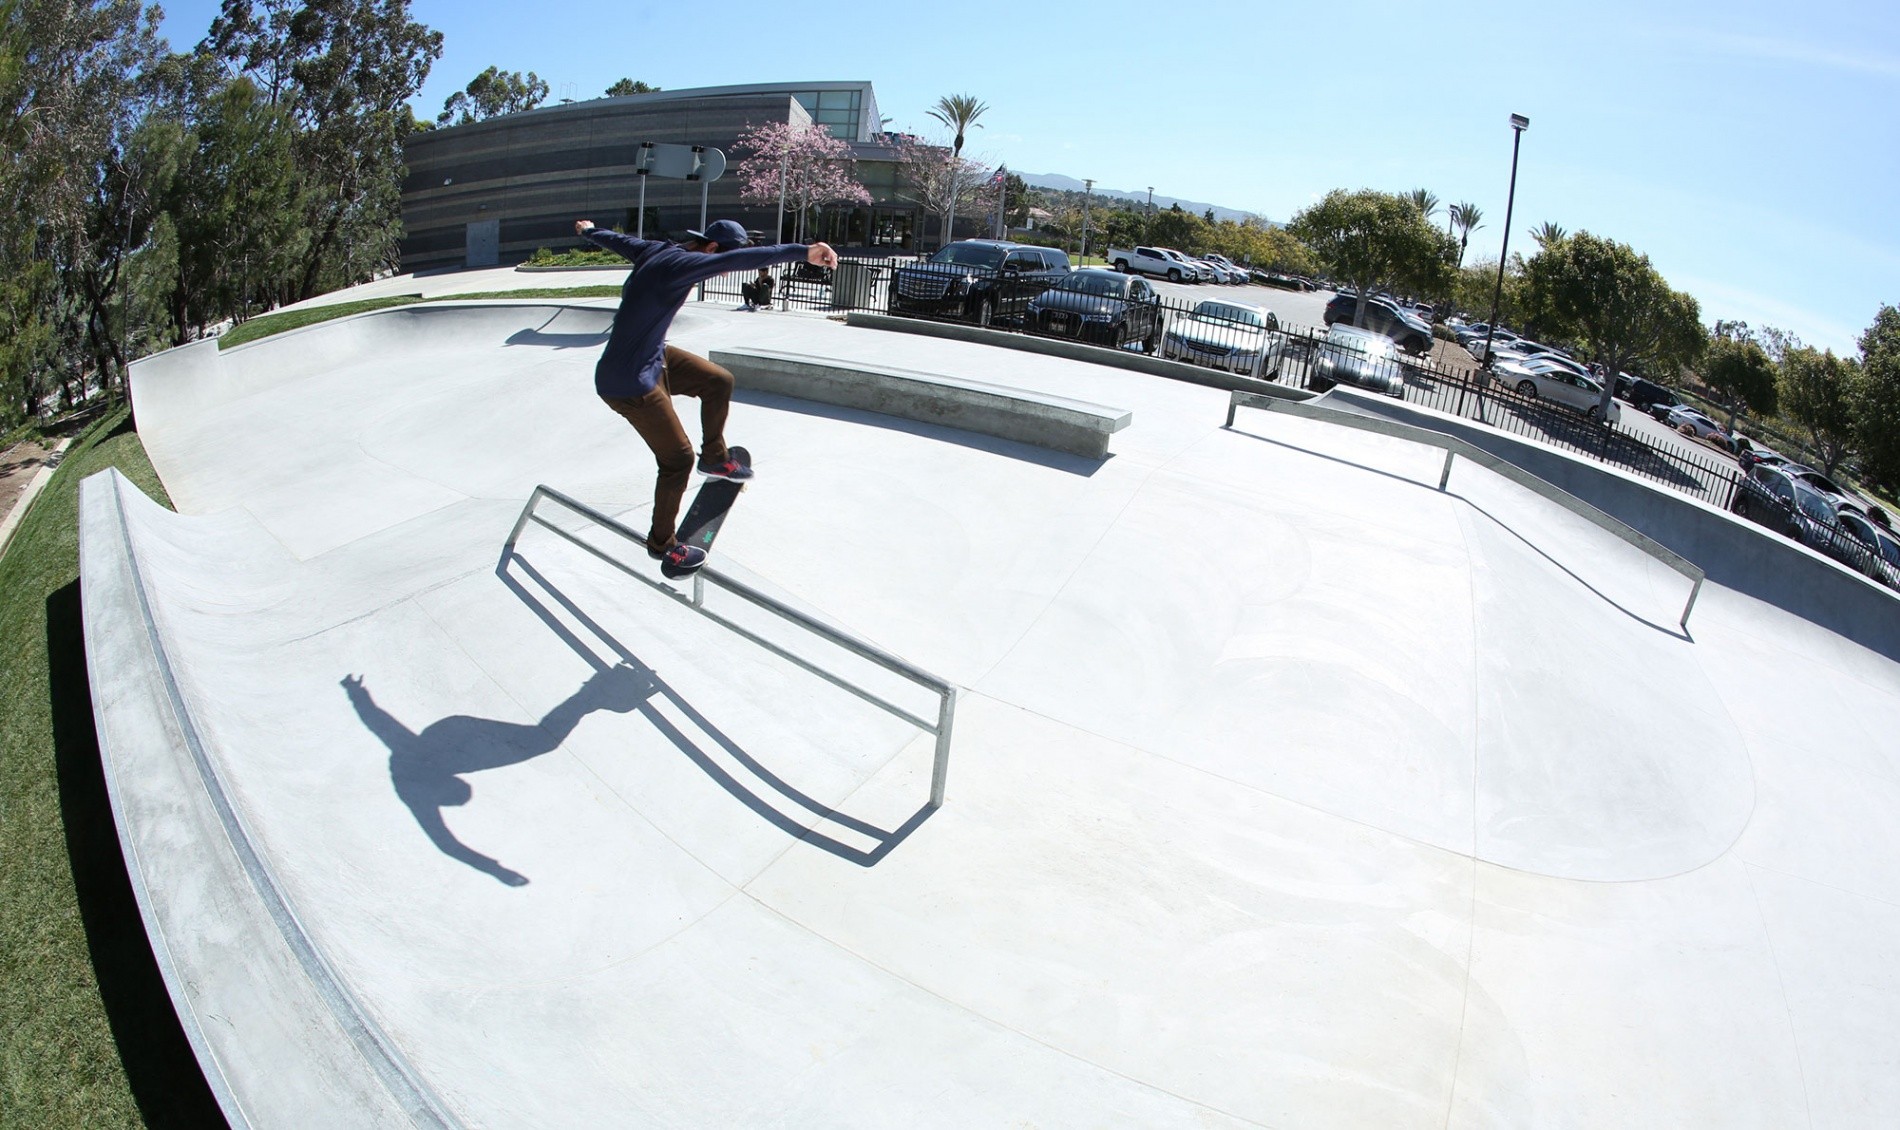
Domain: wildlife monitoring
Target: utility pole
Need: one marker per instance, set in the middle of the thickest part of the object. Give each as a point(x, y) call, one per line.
point(1088, 192)
point(1148, 223)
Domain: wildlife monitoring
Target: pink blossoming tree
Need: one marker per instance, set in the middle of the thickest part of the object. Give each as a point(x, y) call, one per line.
point(935, 177)
point(798, 168)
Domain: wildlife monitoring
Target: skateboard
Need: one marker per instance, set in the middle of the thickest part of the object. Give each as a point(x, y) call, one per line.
point(707, 513)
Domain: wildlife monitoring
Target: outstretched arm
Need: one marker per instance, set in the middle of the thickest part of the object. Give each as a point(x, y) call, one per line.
point(430, 818)
point(752, 258)
point(624, 246)
point(394, 734)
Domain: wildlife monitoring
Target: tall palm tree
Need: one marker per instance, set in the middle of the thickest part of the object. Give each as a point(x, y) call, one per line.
point(959, 112)
point(1426, 201)
point(1548, 234)
point(1465, 217)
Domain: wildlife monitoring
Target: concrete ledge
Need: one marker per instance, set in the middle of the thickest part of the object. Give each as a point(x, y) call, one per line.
point(1734, 552)
point(281, 1040)
point(1058, 423)
point(1076, 351)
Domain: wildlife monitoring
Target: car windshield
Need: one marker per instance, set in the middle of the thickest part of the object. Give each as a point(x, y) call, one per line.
point(1359, 342)
point(1814, 504)
point(1889, 548)
point(1229, 315)
point(1105, 286)
point(970, 255)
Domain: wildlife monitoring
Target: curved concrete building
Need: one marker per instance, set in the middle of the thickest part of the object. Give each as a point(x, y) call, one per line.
point(1285, 785)
point(494, 191)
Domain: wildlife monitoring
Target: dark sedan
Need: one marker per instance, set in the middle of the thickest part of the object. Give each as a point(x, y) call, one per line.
point(1099, 306)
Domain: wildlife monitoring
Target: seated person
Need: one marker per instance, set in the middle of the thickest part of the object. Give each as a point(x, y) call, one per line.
point(758, 292)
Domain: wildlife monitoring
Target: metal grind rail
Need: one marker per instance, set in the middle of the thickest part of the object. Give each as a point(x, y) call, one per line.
point(1454, 447)
point(946, 692)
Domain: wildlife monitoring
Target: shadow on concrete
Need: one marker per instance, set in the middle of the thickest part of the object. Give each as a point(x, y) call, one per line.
point(160, 1066)
point(885, 840)
point(558, 341)
point(1672, 630)
point(1010, 449)
point(426, 766)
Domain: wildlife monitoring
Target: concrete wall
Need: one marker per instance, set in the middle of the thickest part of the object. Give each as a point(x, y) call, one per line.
point(1734, 552)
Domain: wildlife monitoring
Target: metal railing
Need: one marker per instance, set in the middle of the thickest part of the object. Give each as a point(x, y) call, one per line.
point(943, 688)
point(1284, 353)
point(1454, 447)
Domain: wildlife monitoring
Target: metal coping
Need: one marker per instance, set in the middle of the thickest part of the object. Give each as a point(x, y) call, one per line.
point(945, 690)
point(1453, 447)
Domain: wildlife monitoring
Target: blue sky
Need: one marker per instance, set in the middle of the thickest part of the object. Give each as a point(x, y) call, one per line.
point(1752, 150)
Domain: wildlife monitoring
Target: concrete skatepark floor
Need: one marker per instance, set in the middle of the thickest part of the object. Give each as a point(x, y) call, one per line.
point(1285, 789)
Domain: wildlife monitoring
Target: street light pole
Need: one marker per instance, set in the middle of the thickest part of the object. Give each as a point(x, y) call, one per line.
point(1148, 226)
point(1088, 191)
point(1519, 123)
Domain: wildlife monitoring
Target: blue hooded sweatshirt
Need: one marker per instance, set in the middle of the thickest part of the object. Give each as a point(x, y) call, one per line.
point(663, 275)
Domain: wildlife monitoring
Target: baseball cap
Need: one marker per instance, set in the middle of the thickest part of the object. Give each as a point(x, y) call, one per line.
point(726, 233)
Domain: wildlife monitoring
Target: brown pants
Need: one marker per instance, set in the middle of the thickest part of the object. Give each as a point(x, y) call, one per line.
point(653, 417)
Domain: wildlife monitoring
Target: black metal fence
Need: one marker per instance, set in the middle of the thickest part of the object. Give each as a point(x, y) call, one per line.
point(1212, 329)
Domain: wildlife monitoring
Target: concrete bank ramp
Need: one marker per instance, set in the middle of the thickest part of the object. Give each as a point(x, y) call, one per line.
point(1285, 788)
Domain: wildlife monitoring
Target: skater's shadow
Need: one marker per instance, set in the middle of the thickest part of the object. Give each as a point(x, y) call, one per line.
point(427, 767)
point(745, 764)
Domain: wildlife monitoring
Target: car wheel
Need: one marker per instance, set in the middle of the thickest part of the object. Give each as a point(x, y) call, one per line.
point(1174, 276)
point(985, 312)
point(1686, 429)
point(1527, 390)
point(1152, 342)
point(1121, 265)
point(1595, 413)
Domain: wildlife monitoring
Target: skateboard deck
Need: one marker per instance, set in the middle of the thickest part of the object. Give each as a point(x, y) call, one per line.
point(707, 513)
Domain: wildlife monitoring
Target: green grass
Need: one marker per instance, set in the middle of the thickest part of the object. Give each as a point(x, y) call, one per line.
point(265, 325)
point(90, 1038)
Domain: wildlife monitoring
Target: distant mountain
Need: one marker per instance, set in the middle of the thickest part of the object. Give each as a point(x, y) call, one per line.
point(1069, 184)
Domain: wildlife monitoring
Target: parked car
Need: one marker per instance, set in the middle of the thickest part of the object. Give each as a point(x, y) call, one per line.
point(1382, 316)
point(1774, 498)
point(1100, 306)
point(1234, 272)
point(1226, 335)
point(1695, 425)
point(1882, 561)
point(1153, 261)
point(977, 280)
point(1191, 271)
point(1643, 394)
point(1281, 280)
point(1549, 379)
point(1350, 355)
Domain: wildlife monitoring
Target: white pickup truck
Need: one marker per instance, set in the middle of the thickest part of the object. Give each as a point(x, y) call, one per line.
point(1158, 261)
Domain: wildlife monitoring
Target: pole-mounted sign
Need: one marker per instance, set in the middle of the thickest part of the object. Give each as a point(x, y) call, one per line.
point(702, 163)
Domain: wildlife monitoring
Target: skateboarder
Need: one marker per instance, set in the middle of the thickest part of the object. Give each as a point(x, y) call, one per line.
point(639, 374)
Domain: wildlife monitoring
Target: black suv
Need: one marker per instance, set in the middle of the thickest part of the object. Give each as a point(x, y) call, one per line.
point(978, 280)
point(1383, 316)
point(1644, 394)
